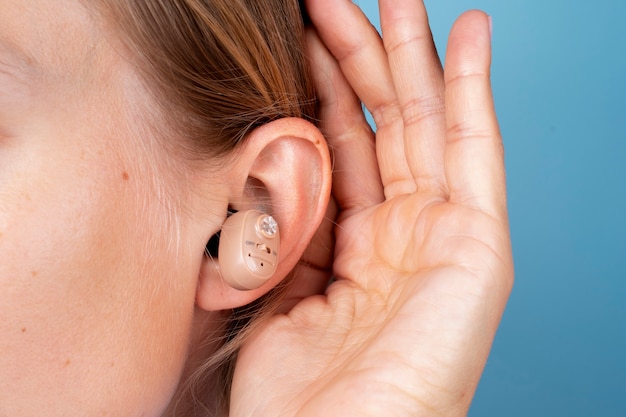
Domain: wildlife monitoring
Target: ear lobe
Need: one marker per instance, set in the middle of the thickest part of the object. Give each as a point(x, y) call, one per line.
point(284, 170)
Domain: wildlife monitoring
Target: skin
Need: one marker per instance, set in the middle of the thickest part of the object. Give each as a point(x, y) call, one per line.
point(422, 257)
point(94, 293)
point(107, 295)
point(101, 247)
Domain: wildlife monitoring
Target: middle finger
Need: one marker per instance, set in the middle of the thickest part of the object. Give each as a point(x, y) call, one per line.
point(418, 80)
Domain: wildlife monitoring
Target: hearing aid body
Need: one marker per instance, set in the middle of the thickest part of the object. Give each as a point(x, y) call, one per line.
point(248, 249)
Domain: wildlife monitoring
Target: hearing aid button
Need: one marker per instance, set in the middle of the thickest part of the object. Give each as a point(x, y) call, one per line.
point(267, 226)
point(263, 248)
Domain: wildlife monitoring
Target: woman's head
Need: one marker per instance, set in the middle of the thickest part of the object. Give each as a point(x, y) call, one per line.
point(126, 131)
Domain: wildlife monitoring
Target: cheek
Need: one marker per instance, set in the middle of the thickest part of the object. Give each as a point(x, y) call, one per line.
point(96, 304)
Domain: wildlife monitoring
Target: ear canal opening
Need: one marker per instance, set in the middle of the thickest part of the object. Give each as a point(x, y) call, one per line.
point(212, 247)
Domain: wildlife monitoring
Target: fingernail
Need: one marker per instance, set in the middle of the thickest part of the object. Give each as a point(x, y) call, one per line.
point(490, 27)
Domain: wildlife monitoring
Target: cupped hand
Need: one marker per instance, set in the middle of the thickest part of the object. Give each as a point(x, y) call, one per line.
point(423, 260)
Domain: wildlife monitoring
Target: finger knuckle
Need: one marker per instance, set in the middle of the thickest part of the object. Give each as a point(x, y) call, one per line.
point(419, 109)
point(465, 130)
point(396, 45)
point(387, 114)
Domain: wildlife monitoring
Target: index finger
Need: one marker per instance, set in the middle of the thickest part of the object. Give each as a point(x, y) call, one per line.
point(357, 47)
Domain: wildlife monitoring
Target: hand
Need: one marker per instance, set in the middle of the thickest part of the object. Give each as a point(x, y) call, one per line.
point(422, 252)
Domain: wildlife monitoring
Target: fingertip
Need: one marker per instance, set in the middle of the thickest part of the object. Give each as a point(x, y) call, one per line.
point(474, 15)
point(474, 24)
point(469, 44)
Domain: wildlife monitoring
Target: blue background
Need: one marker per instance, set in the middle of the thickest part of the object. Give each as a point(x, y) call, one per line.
point(559, 77)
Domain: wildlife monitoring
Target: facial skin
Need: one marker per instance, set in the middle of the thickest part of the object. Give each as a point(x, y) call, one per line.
point(97, 288)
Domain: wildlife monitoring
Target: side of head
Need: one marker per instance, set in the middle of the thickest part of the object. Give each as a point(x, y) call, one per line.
point(127, 131)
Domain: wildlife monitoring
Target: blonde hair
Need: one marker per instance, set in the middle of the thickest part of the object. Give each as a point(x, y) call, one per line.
point(218, 69)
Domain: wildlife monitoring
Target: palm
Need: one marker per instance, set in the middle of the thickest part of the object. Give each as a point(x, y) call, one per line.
point(412, 235)
point(357, 336)
point(423, 268)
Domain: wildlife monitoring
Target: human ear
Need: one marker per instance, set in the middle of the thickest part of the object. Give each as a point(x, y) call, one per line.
point(283, 169)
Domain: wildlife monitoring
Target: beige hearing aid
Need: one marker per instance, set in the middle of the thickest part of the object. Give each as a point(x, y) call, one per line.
point(248, 249)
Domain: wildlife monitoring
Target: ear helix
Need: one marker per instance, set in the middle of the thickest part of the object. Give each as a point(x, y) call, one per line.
point(248, 249)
